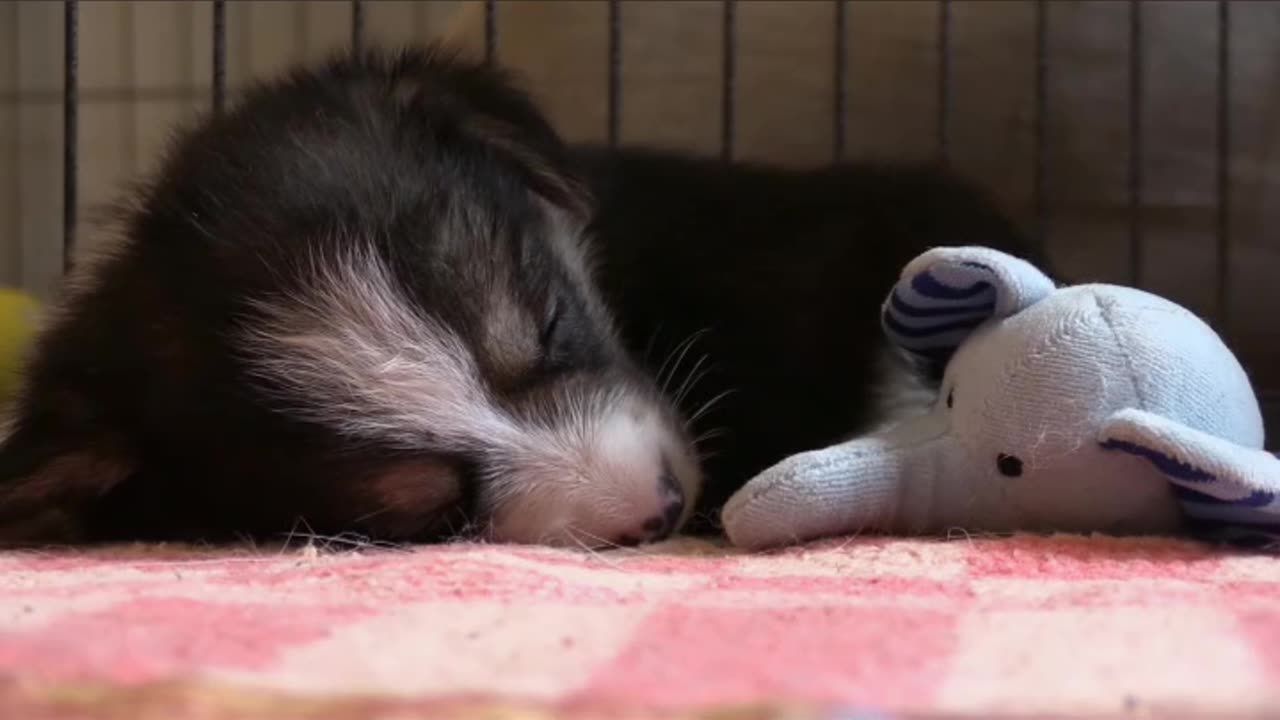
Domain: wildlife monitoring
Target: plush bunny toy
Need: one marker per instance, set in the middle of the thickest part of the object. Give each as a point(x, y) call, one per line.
point(1076, 409)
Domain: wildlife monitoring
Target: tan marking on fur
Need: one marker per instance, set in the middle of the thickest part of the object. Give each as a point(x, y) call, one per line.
point(510, 342)
point(78, 475)
point(42, 528)
point(421, 484)
point(570, 246)
point(410, 497)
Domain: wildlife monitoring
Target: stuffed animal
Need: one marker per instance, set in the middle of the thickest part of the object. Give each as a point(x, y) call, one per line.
point(18, 317)
point(1076, 409)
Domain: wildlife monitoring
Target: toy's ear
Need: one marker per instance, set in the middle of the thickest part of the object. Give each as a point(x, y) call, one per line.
point(1217, 482)
point(946, 293)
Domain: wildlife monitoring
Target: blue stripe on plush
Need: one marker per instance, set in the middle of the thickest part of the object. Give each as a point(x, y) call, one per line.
point(1265, 535)
point(929, 286)
point(1186, 494)
point(902, 307)
point(1257, 499)
point(1165, 464)
point(1237, 515)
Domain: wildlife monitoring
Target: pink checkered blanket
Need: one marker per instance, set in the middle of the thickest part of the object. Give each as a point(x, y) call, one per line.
point(1063, 625)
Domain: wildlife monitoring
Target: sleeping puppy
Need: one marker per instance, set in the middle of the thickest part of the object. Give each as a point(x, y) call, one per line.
point(359, 302)
point(379, 297)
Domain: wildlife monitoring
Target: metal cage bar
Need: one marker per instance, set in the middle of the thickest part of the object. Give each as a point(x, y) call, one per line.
point(840, 77)
point(1136, 143)
point(1039, 190)
point(357, 25)
point(728, 77)
point(490, 31)
point(615, 72)
point(219, 56)
point(129, 66)
point(944, 80)
point(70, 127)
point(1224, 166)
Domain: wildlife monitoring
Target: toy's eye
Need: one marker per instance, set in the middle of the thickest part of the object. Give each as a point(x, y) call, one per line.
point(1008, 465)
point(951, 398)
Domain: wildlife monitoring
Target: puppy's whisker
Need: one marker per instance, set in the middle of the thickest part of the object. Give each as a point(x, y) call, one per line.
point(708, 406)
point(592, 552)
point(691, 380)
point(710, 435)
point(701, 376)
point(609, 543)
point(680, 352)
point(653, 339)
point(376, 513)
point(661, 375)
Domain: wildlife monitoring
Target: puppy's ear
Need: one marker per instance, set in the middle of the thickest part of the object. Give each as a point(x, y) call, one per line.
point(541, 161)
point(48, 475)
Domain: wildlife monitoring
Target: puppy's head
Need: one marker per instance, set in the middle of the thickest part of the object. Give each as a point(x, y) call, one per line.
point(360, 298)
point(463, 324)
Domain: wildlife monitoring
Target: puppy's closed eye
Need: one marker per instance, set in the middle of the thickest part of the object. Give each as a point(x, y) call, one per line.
point(548, 337)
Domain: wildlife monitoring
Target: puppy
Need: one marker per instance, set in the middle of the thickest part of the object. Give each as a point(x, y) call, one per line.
point(359, 302)
point(380, 296)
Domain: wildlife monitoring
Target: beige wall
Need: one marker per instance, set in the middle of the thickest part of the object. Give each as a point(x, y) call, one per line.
point(158, 53)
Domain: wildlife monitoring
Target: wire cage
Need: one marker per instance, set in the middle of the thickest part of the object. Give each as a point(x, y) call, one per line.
point(1208, 283)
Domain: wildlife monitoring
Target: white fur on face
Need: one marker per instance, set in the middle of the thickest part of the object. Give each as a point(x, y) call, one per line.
point(350, 352)
point(597, 478)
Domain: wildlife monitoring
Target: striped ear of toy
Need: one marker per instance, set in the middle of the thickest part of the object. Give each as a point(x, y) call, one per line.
point(946, 293)
point(930, 313)
point(1218, 484)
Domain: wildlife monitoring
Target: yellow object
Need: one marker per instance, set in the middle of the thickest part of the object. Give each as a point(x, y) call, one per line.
point(19, 314)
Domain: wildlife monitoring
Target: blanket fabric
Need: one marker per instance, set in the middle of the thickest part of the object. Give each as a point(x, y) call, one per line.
point(854, 628)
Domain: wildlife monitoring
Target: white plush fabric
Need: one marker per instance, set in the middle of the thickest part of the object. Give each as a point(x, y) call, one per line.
point(1086, 408)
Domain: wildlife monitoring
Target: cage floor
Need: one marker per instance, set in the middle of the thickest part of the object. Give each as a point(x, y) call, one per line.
point(1062, 625)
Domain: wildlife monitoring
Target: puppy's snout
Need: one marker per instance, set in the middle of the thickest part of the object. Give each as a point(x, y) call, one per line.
point(629, 480)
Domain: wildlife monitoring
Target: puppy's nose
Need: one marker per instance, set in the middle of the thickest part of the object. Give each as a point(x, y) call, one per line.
point(657, 527)
point(660, 526)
